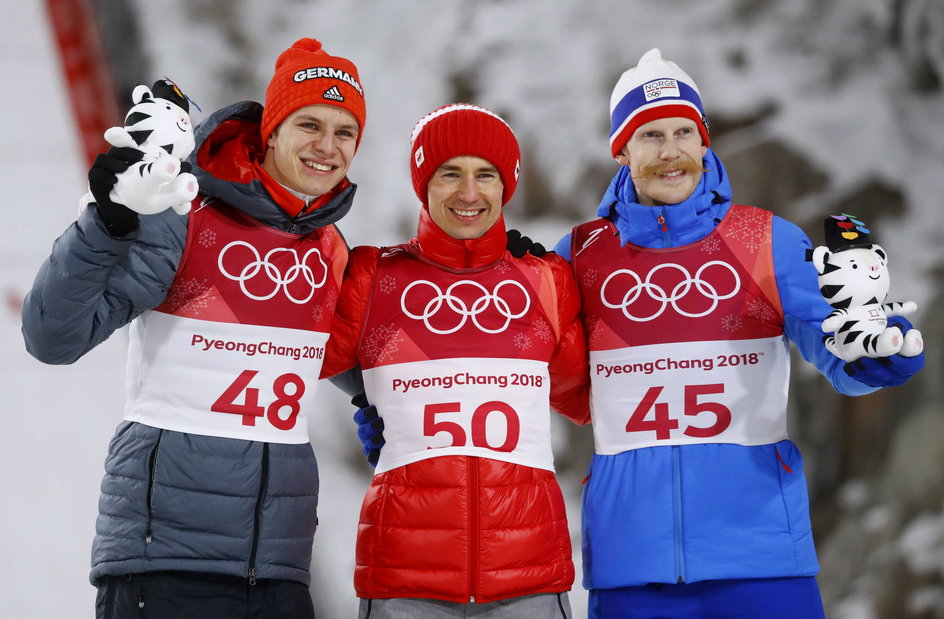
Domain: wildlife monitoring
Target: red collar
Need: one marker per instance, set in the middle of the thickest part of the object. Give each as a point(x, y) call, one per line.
point(290, 203)
point(441, 248)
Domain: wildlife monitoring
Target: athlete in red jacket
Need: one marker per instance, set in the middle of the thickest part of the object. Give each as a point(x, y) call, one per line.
point(462, 348)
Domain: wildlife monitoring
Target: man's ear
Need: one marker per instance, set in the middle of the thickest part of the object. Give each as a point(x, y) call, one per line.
point(623, 157)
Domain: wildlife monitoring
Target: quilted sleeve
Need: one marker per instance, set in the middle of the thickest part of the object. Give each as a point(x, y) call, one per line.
point(569, 367)
point(341, 353)
point(92, 284)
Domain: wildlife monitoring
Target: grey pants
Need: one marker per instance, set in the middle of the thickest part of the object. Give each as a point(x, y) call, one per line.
point(541, 606)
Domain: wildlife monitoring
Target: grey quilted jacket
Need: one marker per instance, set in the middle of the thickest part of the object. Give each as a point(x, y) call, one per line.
point(171, 500)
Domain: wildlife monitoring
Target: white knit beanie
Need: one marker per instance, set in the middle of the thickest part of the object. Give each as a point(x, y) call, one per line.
point(653, 89)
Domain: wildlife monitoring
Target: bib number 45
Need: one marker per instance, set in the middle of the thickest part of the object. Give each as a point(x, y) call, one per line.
point(251, 409)
point(663, 423)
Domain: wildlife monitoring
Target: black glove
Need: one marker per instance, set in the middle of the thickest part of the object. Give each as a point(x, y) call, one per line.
point(119, 220)
point(370, 427)
point(520, 245)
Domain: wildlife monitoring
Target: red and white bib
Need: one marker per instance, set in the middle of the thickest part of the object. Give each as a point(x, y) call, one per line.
point(686, 343)
point(236, 348)
point(456, 363)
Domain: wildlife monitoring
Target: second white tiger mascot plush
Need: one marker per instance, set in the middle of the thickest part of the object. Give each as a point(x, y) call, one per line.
point(854, 280)
point(159, 126)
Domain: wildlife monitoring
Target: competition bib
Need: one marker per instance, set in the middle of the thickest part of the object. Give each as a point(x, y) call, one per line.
point(233, 381)
point(690, 392)
point(491, 408)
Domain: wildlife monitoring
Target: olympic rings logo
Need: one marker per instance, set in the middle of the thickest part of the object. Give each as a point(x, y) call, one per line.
point(262, 269)
point(679, 291)
point(459, 307)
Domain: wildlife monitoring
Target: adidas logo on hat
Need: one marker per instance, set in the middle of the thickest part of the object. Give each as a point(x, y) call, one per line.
point(333, 93)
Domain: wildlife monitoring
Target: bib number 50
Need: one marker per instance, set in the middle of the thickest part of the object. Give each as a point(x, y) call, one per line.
point(250, 408)
point(432, 426)
point(662, 422)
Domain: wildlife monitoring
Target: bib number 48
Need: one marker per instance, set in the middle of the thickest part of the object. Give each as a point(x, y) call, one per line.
point(250, 408)
point(662, 422)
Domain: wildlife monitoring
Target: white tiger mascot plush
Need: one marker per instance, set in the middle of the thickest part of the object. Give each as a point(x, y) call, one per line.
point(854, 279)
point(159, 126)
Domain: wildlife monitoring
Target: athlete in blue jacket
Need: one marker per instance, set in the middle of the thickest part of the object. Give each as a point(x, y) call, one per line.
point(696, 502)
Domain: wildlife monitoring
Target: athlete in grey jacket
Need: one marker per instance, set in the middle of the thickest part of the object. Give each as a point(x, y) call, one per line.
point(210, 482)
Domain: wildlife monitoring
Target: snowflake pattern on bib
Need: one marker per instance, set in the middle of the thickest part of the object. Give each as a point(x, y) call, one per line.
point(189, 296)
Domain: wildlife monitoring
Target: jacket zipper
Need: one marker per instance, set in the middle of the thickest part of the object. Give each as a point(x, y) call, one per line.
point(473, 525)
point(263, 484)
point(152, 461)
point(666, 237)
point(677, 499)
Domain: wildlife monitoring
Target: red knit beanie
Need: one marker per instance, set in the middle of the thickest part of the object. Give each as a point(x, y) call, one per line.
point(459, 130)
point(305, 74)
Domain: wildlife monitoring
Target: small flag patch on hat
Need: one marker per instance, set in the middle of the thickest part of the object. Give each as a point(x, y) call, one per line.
point(657, 89)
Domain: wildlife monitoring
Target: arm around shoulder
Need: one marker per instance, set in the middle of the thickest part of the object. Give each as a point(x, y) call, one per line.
point(569, 367)
point(341, 353)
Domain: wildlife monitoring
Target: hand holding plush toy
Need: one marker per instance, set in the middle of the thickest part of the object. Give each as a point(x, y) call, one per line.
point(158, 127)
point(854, 280)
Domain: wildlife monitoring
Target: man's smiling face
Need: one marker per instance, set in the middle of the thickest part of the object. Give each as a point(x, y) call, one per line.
point(312, 149)
point(665, 157)
point(465, 197)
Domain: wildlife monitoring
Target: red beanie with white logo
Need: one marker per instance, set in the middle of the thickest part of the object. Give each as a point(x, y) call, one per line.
point(459, 130)
point(305, 74)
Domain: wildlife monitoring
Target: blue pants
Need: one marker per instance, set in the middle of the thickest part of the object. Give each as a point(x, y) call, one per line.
point(749, 598)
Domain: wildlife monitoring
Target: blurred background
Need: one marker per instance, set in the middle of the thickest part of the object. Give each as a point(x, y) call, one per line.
point(815, 108)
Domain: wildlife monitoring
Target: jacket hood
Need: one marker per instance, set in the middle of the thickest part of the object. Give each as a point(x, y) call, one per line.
point(226, 161)
point(683, 223)
point(433, 243)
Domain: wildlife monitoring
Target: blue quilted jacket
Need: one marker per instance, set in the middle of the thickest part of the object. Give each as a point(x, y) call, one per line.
point(170, 500)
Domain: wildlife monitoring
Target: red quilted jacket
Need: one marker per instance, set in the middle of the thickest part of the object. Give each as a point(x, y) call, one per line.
point(464, 528)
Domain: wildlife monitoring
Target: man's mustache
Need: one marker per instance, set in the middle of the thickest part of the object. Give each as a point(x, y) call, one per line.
point(688, 166)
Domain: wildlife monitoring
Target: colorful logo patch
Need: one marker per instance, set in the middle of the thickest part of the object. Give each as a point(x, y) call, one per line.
point(851, 227)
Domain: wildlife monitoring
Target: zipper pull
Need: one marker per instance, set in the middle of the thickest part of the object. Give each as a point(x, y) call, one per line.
point(148, 536)
point(252, 577)
point(661, 220)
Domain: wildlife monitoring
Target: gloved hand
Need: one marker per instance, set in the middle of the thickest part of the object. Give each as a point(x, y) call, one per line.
point(886, 371)
point(520, 245)
point(159, 182)
point(103, 175)
point(370, 427)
